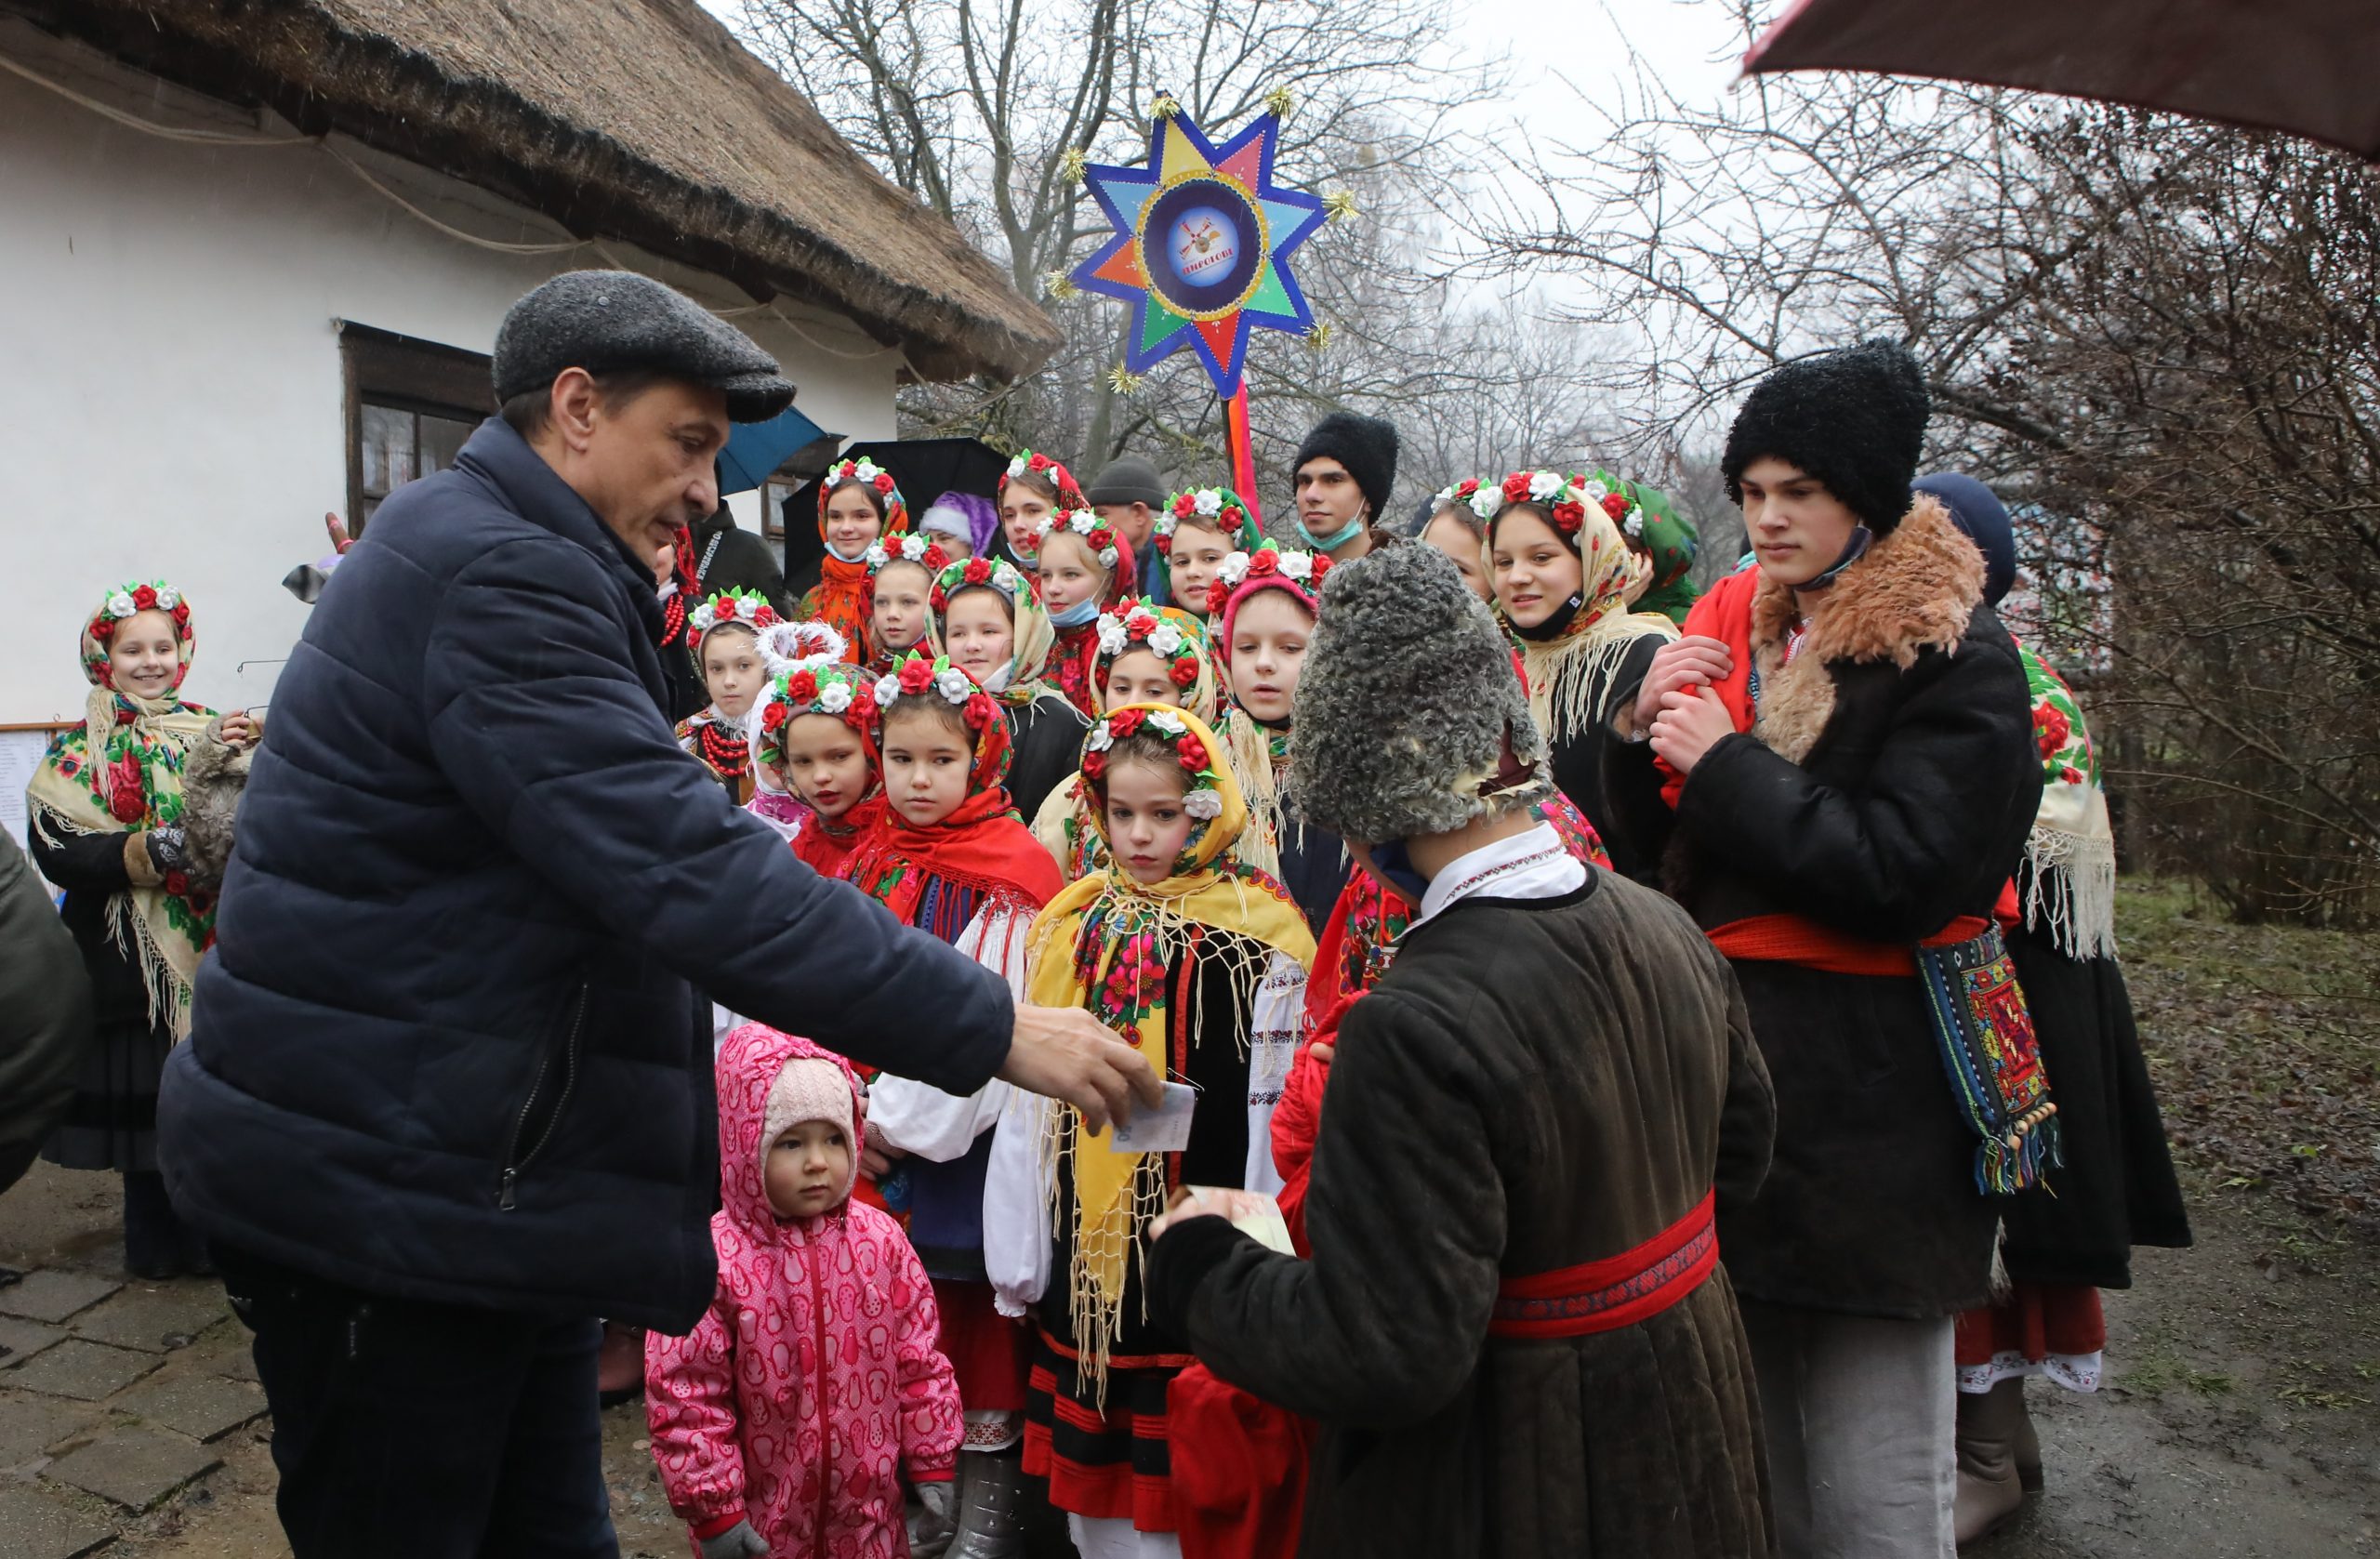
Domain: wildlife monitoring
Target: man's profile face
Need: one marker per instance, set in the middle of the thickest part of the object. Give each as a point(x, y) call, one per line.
point(644, 461)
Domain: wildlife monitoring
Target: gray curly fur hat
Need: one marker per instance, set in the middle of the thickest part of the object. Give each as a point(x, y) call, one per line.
point(1401, 710)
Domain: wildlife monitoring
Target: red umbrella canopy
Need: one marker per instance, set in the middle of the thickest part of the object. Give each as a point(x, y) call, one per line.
point(2304, 66)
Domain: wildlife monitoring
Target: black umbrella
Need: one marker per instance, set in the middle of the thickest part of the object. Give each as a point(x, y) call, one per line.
point(924, 469)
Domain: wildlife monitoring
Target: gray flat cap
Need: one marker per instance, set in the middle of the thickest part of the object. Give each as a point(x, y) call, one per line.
point(609, 322)
point(1406, 705)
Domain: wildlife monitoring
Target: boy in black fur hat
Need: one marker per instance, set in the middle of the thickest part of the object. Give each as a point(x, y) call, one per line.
point(1846, 736)
point(1345, 470)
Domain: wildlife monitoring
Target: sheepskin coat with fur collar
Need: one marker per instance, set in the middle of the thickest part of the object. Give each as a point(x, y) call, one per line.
point(1885, 788)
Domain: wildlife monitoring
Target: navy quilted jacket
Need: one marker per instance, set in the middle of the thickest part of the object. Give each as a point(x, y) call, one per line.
point(447, 1046)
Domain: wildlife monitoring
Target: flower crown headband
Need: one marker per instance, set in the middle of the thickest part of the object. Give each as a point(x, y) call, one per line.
point(1086, 524)
point(1136, 622)
point(749, 608)
point(911, 548)
point(1223, 511)
point(865, 470)
point(1203, 799)
point(1566, 498)
point(1304, 570)
point(826, 687)
point(131, 599)
point(785, 645)
point(916, 676)
point(996, 574)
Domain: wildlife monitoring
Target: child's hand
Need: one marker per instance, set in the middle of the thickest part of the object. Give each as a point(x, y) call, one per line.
point(876, 1154)
point(739, 1541)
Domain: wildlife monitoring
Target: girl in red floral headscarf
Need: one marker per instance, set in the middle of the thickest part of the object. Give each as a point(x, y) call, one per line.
point(953, 858)
point(106, 808)
point(859, 504)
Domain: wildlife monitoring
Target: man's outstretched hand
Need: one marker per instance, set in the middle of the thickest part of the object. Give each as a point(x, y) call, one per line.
point(1066, 1053)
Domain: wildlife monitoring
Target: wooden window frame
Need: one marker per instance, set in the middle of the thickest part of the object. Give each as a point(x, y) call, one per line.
point(408, 374)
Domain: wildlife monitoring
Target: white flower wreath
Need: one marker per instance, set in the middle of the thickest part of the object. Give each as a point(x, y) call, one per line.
point(836, 696)
point(1166, 640)
point(120, 604)
point(1234, 568)
point(888, 688)
point(1206, 803)
point(955, 685)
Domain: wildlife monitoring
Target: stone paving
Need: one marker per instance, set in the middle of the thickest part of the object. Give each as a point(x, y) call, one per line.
point(114, 1396)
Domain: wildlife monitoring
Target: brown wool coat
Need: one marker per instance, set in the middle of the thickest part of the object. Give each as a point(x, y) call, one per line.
point(1532, 1085)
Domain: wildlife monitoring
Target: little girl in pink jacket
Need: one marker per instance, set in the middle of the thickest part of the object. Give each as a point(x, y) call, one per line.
point(787, 1417)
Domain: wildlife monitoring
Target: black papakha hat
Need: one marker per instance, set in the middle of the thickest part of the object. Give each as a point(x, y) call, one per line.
point(1855, 418)
point(1366, 446)
point(1409, 718)
point(611, 321)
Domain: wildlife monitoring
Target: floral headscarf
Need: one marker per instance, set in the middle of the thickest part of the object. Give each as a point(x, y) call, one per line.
point(1064, 825)
point(723, 745)
point(970, 847)
point(840, 597)
point(1028, 654)
point(2071, 883)
point(121, 771)
point(1104, 944)
point(1567, 671)
point(1259, 753)
point(1218, 508)
point(1029, 463)
point(832, 687)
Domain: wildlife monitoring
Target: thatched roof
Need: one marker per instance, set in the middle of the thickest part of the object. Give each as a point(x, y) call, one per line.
point(642, 120)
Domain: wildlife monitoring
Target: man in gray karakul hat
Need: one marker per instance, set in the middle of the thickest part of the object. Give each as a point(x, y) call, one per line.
point(1529, 1120)
point(447, 1093)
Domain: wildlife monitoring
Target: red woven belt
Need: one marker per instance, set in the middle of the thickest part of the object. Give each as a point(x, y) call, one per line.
point(1793, 939)
point(1615, 1292)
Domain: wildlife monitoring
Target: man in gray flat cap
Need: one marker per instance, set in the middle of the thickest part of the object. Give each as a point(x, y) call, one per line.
point(445, 1097)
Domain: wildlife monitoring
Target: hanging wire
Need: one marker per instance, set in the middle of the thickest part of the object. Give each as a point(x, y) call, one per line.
point(228, 138)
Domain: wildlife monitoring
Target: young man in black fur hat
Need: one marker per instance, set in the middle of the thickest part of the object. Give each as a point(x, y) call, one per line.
point(1530, 1119)
point(1345, 470)
point(1846, 737)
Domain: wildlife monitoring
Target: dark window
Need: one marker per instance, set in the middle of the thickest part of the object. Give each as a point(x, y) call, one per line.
point(410, 405)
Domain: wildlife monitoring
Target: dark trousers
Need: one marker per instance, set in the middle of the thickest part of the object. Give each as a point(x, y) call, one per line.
point(417, 1430)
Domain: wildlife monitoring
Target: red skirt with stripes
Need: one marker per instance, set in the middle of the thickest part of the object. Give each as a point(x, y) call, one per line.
point(1102, 1460)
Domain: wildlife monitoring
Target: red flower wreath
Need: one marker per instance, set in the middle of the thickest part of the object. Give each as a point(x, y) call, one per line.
point(1192, 751)
point(1570, 514)
point(773, 717)
point(144, 599)
point(884, 482)
point(1041, 463)
point(1516, 488)
point(1185, 670)
point(980, 711)
point(802, 686)
point(917, 674)
point(1127, 721)
point(1095, 765)
point(103, 628)
point(1616, 504)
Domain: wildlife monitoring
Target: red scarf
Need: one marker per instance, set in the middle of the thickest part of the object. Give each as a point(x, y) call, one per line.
point(1724, 614)
point(982, 846)
point(1069, 667)
point(827, 846)
point(842, 601)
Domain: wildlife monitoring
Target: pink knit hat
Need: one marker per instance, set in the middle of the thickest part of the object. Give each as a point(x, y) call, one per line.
point(811, 1088)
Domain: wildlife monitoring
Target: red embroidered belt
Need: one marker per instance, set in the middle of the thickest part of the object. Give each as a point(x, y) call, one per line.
point(1793, 939)
point(1615, 1292)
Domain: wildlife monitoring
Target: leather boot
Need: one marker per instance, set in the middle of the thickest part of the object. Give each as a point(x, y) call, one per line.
point(991, 1496)
point(1990, 1491)
point(2029, 1444)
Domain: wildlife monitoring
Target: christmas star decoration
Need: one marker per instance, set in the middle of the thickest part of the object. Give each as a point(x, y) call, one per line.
point(1202, 248)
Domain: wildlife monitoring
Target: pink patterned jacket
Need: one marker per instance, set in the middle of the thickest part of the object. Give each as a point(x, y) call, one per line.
point(816, 1372)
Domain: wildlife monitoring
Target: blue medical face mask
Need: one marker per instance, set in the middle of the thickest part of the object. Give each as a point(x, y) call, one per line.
point(1077, 615)
point(1324, 544)
point(1395, 864)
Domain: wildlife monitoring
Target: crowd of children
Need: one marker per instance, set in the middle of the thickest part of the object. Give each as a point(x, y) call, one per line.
point(1060, 737)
